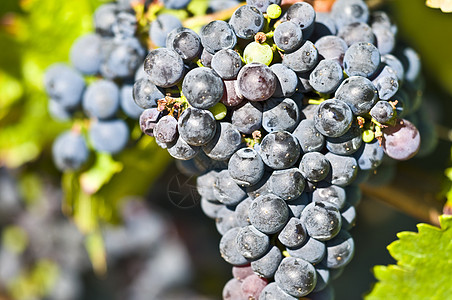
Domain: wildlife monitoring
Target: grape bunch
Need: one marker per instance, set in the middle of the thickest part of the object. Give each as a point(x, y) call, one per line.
point(283, 112)
point(95, 91)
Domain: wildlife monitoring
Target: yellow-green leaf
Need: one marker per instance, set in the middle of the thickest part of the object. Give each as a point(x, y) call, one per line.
point(424, 264)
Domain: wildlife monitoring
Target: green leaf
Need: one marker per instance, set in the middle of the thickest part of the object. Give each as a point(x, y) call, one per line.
point(424, 264)
point(101, 172)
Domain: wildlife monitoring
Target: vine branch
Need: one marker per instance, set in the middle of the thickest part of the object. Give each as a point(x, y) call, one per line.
point(413, 192)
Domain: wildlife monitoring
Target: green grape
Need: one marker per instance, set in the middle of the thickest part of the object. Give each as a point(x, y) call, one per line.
point(274, 11)
point(368, 136)
point(219, 111)
point(256, 52)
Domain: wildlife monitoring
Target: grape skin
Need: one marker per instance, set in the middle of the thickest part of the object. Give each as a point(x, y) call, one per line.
point(164, 67)
point(217, 35)
point(256, 82)
point(333, 118)
point(303, 59)
point(202, 87)
point(401, 141)
point(246, 21)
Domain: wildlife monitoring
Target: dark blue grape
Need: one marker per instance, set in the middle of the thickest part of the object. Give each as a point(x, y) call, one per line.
point(69, 151)
point(326, 76)
point(385, 39)
point(165, 130)
point(296, 206)
point(332, 47)
point(252, 243)
point(268, 213)
point(303, 83)
point(160, 27)
point(210, 208)
point(205, 184)
point(225, 219)
point(59, 112)
point(175, 4)
point(247, 117)
point(180, 149)
point(146, 94)
point(323, 277)
point(303, 59)
point(267, 265)
point(370, 155)
point(227, 63)
point(242, 213)
point(197, 126)
point(349, 11)
point(308, 136)
point(361, 59)
point(185, 42)
point(340, 250)
point(286, 81)
point(314, 166)
point(356, 33)
point(217, 35)
point(333, 118)
point(86, 54)
point(359, 93)
point(261, 188)
point(343, 169)
point(121, 58)
point(273, 292)
point(226, 190)
point(246, 167)
point(302, 14)
point(127, 103)
point(226, 141)
point(229, 250)
point(287, 184)
point(101, 99)
point(386, 83)
point(293, 234)
point(279, 150)
point(246, 21)
point(202, 87)
point(125, 25)
point(280, 114)
point(324, 25)
point(64, 85)
point(104, 18)
point(346, 144)
point(312, 251)
point(218, 5)
point(322, 220)
point(288, 36)
point(109, 136)
point(331, 194)
point(393, 62)
point(296, 276)
point(164, 67)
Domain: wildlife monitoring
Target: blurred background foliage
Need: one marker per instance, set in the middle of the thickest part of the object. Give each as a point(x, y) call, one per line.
point(37, 33)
